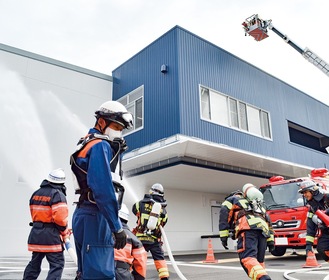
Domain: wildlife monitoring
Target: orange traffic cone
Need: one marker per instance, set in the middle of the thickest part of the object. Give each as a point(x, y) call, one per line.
point(311, 260)
point(210, 254)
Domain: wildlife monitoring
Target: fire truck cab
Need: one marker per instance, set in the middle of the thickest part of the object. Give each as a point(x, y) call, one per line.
point(287, 209)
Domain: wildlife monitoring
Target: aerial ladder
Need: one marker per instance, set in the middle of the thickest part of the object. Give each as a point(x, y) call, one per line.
point(258, 29)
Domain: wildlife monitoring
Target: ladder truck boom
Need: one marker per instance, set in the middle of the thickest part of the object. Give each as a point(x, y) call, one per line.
point(258, 29)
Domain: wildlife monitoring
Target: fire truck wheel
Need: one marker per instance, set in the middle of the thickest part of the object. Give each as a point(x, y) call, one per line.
point(279, 251)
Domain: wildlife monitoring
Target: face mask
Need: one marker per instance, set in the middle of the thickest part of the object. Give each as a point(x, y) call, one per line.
point(111, 133)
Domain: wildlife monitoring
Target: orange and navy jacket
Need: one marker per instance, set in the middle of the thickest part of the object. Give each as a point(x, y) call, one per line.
point(320, 201)
point(236, 214)
point(142, 210)
point(134, 254)
point(49, 212)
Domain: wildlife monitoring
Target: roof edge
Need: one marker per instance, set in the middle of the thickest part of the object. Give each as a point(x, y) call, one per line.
point(55, 62)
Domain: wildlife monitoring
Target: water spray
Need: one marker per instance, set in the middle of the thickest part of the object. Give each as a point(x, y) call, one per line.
point(26, 149)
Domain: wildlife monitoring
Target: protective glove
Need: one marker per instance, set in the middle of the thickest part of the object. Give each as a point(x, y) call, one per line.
point(309, 248)
point(224, 242)
point(120, 239)
point(270, 246)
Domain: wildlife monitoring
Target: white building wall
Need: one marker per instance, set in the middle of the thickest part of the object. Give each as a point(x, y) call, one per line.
point(45, 107)
point(186, 224)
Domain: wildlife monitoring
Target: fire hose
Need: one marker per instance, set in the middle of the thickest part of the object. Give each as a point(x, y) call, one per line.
point(302, 270)
point(71, 251)
point(69, 248)
point(319, 217)
point(73, 255)
point(173, 262)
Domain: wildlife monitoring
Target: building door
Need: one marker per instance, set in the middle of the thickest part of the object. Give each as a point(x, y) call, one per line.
point(215, 210)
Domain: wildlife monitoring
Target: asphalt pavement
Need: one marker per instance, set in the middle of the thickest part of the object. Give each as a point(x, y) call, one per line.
point(225, 266)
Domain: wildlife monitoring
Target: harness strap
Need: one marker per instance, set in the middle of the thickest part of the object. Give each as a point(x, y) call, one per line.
point(84, 145)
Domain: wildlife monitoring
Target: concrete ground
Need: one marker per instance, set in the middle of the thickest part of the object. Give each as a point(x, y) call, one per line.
point(226, 267)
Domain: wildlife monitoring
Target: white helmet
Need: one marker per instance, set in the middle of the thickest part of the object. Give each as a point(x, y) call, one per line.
point(57, 176)
point(157, 189)
point(114, 111)
point(124, 212)
point(251, 192)
point(307, 185)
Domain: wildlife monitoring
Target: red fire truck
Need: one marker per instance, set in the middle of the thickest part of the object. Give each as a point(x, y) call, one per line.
point(287, 209)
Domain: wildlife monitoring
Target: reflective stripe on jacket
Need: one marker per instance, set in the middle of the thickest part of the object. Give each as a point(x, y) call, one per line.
point(236, 214)
point(49, 214)
point(133, 253)
point(142, 210)
point(319, 202)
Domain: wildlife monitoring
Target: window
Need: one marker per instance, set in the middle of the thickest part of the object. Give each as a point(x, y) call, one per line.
point(225, 110)
point(205, 103)
point(234, 113)
point(243, 116)
point(265, 124)
point(134, 103)
point(308, 138)
point(218, 108)
point(254, 120)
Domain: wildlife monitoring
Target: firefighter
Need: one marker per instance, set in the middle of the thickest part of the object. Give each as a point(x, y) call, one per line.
point(317, 199)
point(95, 219)
point(244, 214)
point(149, 221)
point(49, 212)
point(131, 261)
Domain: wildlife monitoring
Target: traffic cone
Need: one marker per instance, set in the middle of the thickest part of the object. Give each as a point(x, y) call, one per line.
point(210, 254)
point(311, 260)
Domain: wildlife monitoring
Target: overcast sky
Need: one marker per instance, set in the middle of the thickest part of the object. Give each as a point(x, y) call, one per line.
point(102, 34)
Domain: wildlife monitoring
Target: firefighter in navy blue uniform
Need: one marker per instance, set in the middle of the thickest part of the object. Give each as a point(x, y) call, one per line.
point(317, 199)
point(151, 239)
point(243, 213)
point(95, 219)
point(49, 214)
point(131, 261)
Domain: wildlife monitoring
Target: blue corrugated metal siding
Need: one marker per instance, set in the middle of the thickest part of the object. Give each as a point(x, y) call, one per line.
point(220, 71)
point(172, 99)
point(200, 62)
point(161, 113)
